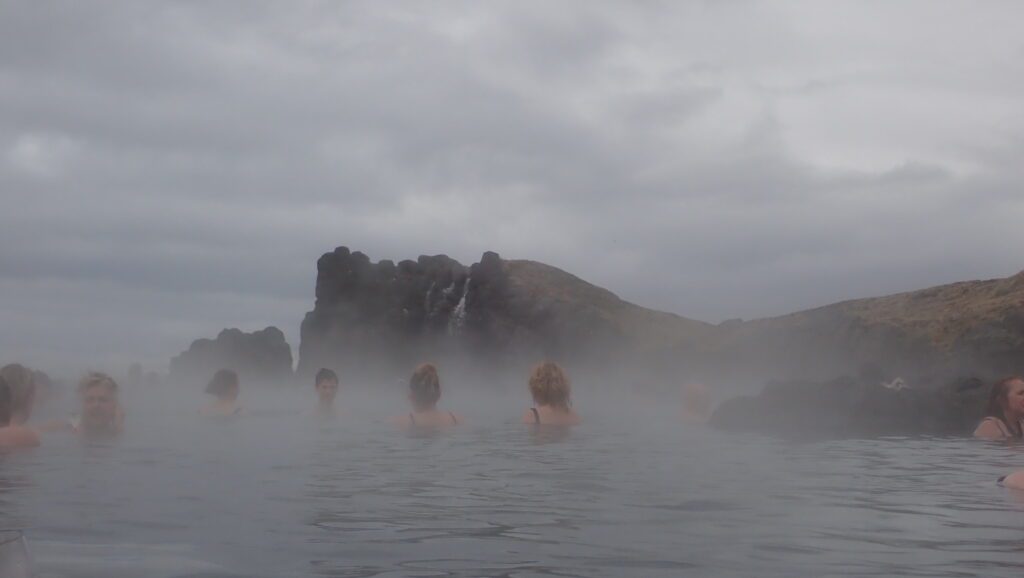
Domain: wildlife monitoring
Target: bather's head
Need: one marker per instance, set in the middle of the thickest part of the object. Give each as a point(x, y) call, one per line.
point(424, 387)
point(101, 410)
point(224, 385)
point(23, 391)
point(550, 386)
point(326, 383)
point(5, 403)
point(1006, 401)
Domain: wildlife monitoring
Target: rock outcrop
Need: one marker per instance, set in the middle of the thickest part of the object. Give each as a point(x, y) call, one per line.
point(261, 356)
point(972, 327)
point(371, 317)
point(849, 407)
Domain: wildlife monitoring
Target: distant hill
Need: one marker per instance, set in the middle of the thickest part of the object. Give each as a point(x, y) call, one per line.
point(372, 316)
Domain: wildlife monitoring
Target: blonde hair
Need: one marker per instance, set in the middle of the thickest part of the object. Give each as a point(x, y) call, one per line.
point(550, 386)
point(23, 389)
point(425, 386)
point(95, 378)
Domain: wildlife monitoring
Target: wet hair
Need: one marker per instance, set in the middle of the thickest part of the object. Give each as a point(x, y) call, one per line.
point(5, 403)
point(550, 386)
point(997, 399)
point(425, 386)
point(22, 388)
point(95, 378)
point(222, 382)
point(325, 375)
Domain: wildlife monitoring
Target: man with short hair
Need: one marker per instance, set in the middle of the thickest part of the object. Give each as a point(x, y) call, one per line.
point(326, 383)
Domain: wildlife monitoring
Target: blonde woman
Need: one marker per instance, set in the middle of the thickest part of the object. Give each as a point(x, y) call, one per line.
point(552, 397)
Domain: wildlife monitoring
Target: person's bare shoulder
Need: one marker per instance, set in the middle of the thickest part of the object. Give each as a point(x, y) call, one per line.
point(18, 437)
point(54, 425)
point(989, 430)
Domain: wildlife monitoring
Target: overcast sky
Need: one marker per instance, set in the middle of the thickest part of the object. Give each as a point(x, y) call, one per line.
point(167, 170)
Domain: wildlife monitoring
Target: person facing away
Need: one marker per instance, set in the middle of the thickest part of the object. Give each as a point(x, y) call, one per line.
point(12, 435)
point(224, 387)
point(552, 397)
point(424, 393)
point(23, 391)
point(326, 383)
point(1005, 411)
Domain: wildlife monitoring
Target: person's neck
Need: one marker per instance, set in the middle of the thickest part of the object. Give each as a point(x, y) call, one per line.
point(431, 409)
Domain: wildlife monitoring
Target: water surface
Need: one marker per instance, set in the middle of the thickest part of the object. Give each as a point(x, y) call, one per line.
point(629, 493)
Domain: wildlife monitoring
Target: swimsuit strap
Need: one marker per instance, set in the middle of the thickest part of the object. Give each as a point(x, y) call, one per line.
point(412, 419)
point(536, 415)
point(454, 421)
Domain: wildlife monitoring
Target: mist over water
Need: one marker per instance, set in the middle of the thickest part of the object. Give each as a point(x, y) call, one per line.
point(633, 491)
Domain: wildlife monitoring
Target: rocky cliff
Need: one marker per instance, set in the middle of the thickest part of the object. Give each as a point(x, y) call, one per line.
point(261, 356)
point(972, 327)
point(372, 316)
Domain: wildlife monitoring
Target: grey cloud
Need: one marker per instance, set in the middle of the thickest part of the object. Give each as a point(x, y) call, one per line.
point(168, 170)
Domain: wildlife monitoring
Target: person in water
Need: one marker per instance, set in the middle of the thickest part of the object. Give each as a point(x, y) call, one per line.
point(101, 415)
point(424, 393)
point(552, 397)
point(12, 435)
point(326, 383)
point(223, 386)
point(1005, 412)
point(23, 391)
point(696, 403)
point(1014, 481)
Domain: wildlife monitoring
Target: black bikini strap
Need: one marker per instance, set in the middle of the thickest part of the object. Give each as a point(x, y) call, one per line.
point(536, 415)
point(454, 421)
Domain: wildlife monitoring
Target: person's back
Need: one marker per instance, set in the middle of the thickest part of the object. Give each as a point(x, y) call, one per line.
point(424, 393)
point(12, 435)
point(224, 387)
point(552, 397)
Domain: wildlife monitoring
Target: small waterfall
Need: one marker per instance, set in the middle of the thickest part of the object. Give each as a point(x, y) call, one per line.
point(426, 302)
point(459, 313)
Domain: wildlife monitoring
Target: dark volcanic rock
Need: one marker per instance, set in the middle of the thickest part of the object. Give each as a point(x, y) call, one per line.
point(848, 407)
point(262, 356)
point(373, 319)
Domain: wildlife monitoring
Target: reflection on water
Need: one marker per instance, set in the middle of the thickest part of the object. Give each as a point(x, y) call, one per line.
point(278, 496)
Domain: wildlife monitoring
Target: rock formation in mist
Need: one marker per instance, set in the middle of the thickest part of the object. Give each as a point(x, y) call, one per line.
point(261, 356)
point(371, 317)
point(862, 406)
point(971, 327)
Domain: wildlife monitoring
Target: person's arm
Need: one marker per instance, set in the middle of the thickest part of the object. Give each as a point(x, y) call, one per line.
point(989, 430)
point(52, 426)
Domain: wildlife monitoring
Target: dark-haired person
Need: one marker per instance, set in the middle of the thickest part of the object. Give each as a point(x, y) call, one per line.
point(224, 387)
point(1005, 412)
point(424, 393)
point(23, 391)
point(13, 435)
point(552, 397)
point(101, 415)
point(326, 383)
